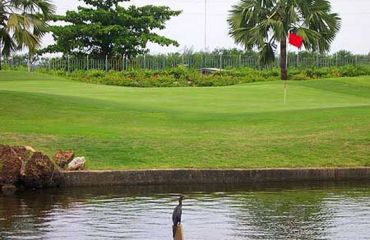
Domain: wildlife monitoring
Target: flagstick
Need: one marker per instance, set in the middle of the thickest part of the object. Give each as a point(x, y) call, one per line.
point(287, 58)
point(286, 81)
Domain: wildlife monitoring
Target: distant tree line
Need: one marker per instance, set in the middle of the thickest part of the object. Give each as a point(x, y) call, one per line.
point(107, 30)
point(218, 58)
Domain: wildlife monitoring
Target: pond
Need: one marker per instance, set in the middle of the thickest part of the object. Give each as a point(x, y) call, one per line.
point(273, 211)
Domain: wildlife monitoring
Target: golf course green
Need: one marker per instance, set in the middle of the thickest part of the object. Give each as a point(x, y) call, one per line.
point(325, 123)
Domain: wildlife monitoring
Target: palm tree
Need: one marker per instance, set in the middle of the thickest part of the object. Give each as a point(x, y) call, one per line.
point(23, 24)
point(262, 24)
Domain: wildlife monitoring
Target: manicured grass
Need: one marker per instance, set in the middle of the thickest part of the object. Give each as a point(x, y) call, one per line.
point(325, 123)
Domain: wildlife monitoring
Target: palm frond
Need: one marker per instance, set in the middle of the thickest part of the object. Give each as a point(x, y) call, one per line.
point(267, 53)
point(23, 23)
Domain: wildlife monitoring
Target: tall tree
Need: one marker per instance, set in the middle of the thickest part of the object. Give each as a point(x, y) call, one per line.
point(262, 24)
point(23, 24)
point(105, 28)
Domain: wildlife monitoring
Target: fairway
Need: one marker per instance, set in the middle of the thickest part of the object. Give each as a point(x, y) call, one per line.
point(325, 123)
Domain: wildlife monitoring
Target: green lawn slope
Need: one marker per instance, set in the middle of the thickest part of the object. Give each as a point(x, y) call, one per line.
point(325, 123)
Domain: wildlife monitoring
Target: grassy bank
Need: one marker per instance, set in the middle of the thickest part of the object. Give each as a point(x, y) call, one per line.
point(325, 123)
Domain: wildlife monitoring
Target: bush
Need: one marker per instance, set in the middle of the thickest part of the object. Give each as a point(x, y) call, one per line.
point(5, 66)
point(184, 77)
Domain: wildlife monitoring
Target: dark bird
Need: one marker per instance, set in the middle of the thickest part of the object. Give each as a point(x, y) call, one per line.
point(176, 215)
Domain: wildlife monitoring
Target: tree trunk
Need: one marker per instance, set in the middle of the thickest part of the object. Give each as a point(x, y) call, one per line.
point(29, 63)
point(283, 60)
point(1, 55)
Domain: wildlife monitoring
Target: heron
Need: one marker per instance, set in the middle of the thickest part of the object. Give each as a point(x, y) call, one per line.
point(176, 215)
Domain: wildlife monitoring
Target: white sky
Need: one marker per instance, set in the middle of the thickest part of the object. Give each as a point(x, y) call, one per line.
point(188, 28)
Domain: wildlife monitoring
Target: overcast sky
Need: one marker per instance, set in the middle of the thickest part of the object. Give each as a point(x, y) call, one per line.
point(188, 28)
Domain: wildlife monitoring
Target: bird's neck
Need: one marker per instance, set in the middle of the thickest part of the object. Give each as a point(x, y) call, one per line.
point(180, 203)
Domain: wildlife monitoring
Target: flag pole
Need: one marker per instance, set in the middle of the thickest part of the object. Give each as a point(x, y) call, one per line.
point(297, 41)
point(286, 81)
point(205, 25)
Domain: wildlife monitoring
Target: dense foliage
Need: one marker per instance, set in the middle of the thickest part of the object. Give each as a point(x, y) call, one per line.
point(183, 77)
point(105, 28)
point(265, 23)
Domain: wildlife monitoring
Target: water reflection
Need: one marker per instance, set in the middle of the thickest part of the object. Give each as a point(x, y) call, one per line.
point(309, 211)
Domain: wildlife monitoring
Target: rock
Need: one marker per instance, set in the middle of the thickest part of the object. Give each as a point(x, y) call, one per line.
point(22, 166)
point(40, 171)
point(30, 149)
point(11, 163)
point(77, 164)
point(62, 159)
point(8, 189)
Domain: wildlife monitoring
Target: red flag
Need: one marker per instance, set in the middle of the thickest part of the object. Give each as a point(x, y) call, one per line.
point(295, 40)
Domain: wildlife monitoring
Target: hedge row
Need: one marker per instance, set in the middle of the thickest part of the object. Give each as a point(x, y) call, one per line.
point(183, 77)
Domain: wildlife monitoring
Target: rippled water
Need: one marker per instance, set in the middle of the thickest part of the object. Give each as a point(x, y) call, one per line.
point(310, 211)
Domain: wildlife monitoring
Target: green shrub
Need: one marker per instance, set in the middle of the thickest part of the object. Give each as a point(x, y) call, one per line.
point(5, 66)
point(353, 71)
point(184, 77)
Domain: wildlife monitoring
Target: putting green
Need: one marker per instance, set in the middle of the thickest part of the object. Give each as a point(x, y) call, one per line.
point(325, 123)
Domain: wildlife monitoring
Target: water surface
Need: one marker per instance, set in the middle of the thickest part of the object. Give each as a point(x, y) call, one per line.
point(278, 211)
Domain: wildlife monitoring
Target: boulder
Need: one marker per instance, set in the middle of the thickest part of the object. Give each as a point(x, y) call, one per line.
point(40, 171)
point(11, 159)
point(77, 164)
point(23, 166)
point(62, 159)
